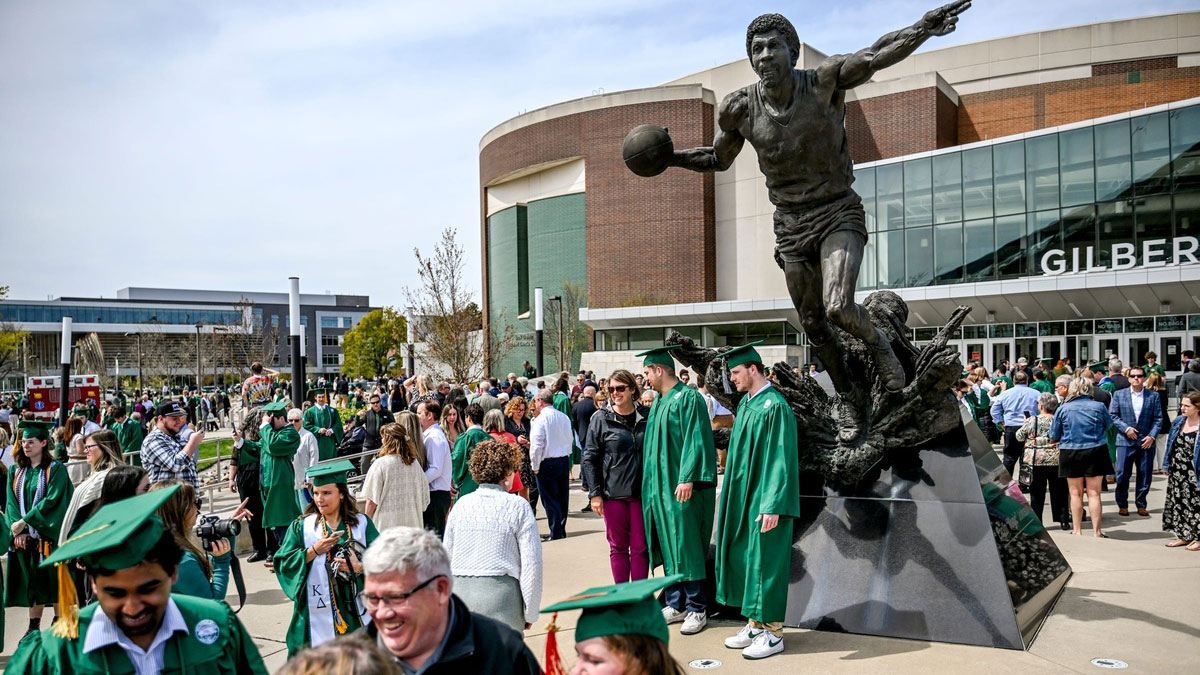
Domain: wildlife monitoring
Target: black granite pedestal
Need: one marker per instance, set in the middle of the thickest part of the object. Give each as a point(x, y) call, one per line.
point(929, 545)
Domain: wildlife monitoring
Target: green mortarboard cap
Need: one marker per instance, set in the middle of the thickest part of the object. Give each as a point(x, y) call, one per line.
point(623, 609)
point(79, 408)
point(35, 429)
point(276, 409)
point(1048, 361)
point(659, 356)
point(1098, 367)
point(334, 472)
point(119, 535)
point(313, 391)
point(742, 355)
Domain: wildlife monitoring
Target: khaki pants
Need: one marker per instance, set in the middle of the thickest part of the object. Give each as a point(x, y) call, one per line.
point(775, 627)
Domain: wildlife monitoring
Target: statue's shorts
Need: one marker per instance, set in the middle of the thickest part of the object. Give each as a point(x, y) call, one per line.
point(799, 232)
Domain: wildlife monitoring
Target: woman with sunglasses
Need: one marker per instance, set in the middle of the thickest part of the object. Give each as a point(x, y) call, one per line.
point(612, 465)
point(319, 561)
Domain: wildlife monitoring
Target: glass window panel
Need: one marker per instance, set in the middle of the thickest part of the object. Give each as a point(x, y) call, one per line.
point(979, 250)
point(947, 188)
point(926, 334)
point(889, 196)
point(1001, 330)
point(1077, 167)
point(329, 322)
point(645, 338)
point(1194, 322)
point(864, 185)
point(1152, 220)
point(918, 256)
point(1027, 330)
point(1139, 324)
point(1113, 168)
point(1051, 328)
point(975, 332)
point(1114, 225)
point(1041, 164)
point(726, 334)
point(1008, 160)
point(1079, 232)
point(866, 273)
point(948, 253)
point(918, 198)
point(1109, 326)
point(1185, 147)
point(1151, 154)
point(1079, 327)
point(1010, 251)
point(1187, 214)
point(1170, 323)
point(977, 183)
point(770, 332)
point(890, 254)
point(1045, 233)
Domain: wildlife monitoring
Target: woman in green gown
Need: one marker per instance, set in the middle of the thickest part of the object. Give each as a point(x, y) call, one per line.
point(38, 492)
point(319, 561)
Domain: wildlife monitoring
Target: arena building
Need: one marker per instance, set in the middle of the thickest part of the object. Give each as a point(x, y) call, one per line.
point(1050, 180)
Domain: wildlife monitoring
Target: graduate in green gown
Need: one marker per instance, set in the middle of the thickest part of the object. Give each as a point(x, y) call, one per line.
point(39, 491)
point(679, 478)
point(319, 563)
point(463, 445)
point(1106, 383)
point(130, 556)
point(276, 447)
point(759, 499)
point(323, 421)
point(129, 433)
point(562, 403)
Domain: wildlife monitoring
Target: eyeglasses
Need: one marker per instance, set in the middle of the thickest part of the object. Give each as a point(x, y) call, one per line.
point(393, 601)
point(1138, 376)
point(93, 446)
point(375, 402)
point(618, 389)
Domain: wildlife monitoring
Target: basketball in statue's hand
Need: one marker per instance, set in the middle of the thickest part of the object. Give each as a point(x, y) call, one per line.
point(648, 150)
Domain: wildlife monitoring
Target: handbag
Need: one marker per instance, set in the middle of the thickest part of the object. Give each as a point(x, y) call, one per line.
point(1025, 475)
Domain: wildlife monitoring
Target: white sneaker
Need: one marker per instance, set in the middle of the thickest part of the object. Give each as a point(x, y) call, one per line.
point(694, 623)
point(744, 637)
point(764, 645)
point(672, 615)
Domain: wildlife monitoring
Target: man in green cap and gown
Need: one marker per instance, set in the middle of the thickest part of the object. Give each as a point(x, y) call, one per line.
point(463, 446)
point(277, 444)
point(759, 499)
point(679, 479)
point(129, 433)
point(136, 624)
point(1102, 381)
point(323, 421)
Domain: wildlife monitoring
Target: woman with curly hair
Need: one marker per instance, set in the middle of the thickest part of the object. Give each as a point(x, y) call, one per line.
point(492, 538)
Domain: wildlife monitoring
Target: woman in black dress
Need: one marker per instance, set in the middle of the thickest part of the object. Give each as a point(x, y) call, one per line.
point(1181, 512)
point(516, 422)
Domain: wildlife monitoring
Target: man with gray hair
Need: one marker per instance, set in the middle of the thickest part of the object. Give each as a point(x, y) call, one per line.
point(418, 621)
point(551, 437)
point(306, 456)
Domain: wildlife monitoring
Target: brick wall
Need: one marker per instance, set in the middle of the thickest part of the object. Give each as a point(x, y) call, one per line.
point(900, 124)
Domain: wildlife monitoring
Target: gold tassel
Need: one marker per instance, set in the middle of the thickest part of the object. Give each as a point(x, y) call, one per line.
point(67, 625)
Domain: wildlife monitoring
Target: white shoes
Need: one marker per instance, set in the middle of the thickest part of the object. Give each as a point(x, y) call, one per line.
point(744, 638)
point(694, 623)
point(764, 645)
point(672, 615)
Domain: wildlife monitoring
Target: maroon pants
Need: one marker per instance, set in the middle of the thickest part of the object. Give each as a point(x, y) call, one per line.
point(627, 551)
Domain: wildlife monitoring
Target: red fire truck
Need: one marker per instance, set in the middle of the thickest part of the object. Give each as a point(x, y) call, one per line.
point(44, 393)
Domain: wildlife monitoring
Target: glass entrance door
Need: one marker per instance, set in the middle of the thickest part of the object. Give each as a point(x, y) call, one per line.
point(1051, 348)
point(1106, 347)
point(1002, 350)
point(1170, 351)
point(1027, 348)
point(974, 352)
point(1136, 353)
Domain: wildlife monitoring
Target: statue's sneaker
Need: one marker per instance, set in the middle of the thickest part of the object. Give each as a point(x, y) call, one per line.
point(852, 418)
point(763, 646)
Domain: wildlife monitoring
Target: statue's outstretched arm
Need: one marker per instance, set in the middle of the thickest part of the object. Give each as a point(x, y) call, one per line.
point(727, 142)
point(855, 69)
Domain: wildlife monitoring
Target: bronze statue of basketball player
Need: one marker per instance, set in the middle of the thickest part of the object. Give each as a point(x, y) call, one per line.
point(795, 119)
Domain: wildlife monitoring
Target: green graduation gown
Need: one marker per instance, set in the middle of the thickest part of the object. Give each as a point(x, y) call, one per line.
point(277, 483)
point(29, 584)
point(461, 457)
point(316, 419)
point(679, 449)
point(562, 403)
point(216, 644)
point(299, 579)
point(129, 435)
point(761, 477)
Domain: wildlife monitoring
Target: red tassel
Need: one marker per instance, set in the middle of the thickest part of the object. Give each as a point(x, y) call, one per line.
point(554, 664)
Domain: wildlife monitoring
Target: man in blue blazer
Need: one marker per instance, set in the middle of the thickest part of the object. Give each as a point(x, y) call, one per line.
point(1137, 414)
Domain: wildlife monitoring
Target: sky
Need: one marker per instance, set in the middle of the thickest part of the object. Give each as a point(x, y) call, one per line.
point(229, 144)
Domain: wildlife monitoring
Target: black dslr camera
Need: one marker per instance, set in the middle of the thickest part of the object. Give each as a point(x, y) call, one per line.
point(212, 528)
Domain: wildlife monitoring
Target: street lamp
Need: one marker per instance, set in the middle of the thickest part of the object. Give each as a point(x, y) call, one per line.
point(561, 354)
point(197, 357)
point(139, 341)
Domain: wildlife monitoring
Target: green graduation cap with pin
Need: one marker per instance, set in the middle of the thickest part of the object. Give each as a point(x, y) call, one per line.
point(621, 609)
point(35, 429)
point(659, 356)
point(740, 356)
point(313, 391)
point(325, 474)
point(1098, 367)
point(276, 409)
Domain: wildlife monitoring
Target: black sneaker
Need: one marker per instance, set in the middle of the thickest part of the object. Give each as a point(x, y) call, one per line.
point(587, 508)
point(257, 556)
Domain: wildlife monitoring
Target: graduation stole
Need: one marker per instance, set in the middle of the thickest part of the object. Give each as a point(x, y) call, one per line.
point(339, 622)
point(19, 488)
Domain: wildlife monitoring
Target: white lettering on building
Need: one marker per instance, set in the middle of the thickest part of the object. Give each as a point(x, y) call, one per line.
point(1123, 256)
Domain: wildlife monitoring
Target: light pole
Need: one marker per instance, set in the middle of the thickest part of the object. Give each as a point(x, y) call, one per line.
point(412, 347)
point(197, 357)
point(539, 321)
point(561, 354)
point(139, 341)
point(297, 341)
point(64, 385)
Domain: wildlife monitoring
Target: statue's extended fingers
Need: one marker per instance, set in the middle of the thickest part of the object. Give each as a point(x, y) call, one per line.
point(958, 7)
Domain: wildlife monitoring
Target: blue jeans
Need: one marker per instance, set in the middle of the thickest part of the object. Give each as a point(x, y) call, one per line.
point(553, 482)
point(1127, 458)
point(691, 591)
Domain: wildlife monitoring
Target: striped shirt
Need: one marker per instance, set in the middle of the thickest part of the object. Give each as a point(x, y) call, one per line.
point(102, 632)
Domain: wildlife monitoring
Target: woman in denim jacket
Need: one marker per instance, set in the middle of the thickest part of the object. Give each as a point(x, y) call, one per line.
point(1080, 427)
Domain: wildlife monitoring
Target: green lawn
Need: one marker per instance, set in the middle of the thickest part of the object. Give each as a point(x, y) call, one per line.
point(208, 451)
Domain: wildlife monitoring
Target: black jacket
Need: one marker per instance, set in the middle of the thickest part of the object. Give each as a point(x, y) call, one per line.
point(476, 644)
point(612, 454)
point(372, 423)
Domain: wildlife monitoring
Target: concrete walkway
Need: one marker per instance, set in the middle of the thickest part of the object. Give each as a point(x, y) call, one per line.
point(1130, 599)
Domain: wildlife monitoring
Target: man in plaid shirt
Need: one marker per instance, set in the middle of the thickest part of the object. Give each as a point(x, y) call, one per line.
point(164, 455)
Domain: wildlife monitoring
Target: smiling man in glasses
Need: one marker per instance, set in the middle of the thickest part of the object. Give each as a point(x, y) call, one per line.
point(420, 623)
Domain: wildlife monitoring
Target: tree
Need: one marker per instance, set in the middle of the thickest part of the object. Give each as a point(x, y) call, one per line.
point(449, 315)
point(573, 331)
point(11, 340)
point(370, 346)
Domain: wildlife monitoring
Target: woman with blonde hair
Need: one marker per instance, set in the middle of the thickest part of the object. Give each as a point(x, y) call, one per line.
point(452, 423)
point(1080, 427)
point(412, 425)
point(395, 488)
point(103, 452)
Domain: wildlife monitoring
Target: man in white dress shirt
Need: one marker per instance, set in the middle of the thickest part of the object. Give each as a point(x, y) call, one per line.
point(438, 465)
point(306, 456)
point(550, 438)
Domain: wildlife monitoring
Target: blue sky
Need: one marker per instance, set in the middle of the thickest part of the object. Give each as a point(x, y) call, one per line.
point(229, 145)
